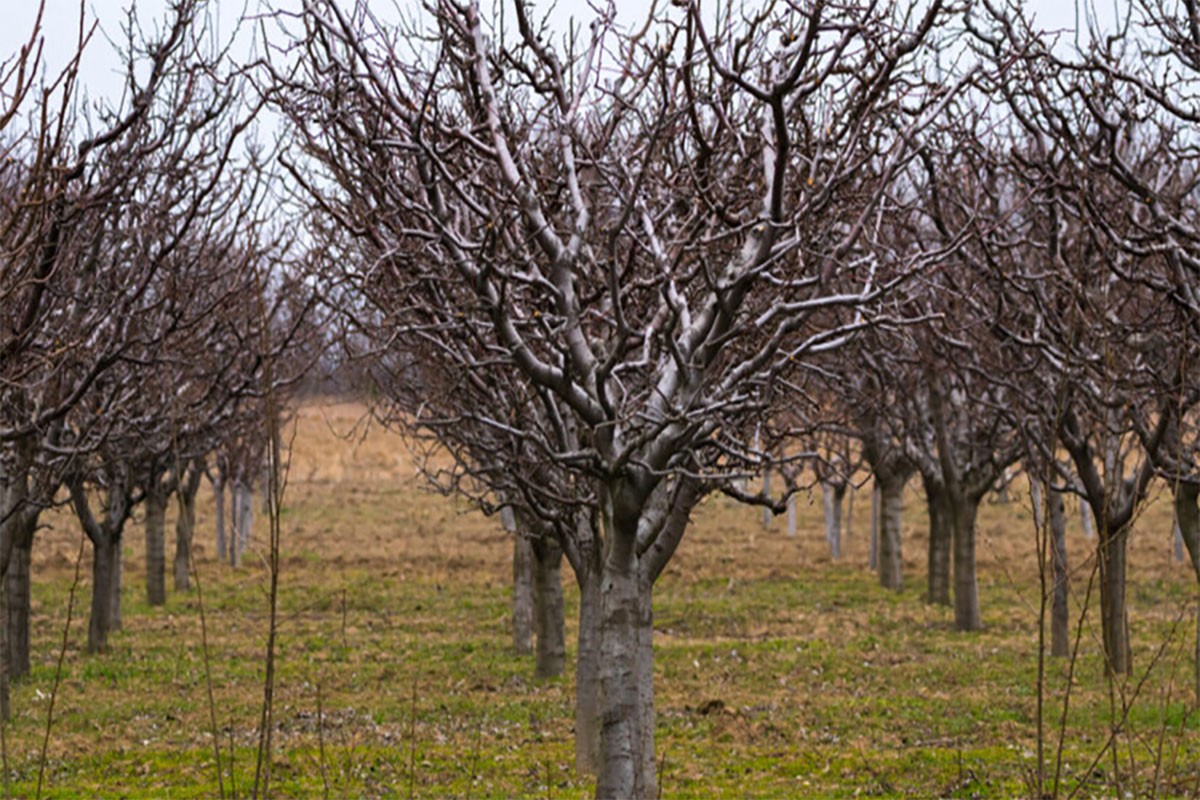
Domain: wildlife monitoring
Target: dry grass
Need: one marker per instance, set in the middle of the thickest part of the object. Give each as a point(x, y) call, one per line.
point(779, 673)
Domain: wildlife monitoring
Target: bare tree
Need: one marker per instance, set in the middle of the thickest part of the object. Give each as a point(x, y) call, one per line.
point(647, 239)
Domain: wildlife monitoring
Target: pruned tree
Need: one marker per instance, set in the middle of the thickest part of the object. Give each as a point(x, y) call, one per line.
point(647, 238)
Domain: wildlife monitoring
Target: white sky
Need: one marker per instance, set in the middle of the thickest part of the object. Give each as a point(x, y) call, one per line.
point(102, 78)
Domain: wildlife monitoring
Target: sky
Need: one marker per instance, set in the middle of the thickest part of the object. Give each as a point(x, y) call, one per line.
point(101, 66)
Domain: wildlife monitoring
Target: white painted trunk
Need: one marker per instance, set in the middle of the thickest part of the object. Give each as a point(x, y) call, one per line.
point(791, 515)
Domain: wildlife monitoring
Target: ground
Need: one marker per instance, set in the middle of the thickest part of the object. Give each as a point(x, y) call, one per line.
point(778, 672)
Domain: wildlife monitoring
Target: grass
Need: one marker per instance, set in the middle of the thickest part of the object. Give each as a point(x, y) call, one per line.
point(778, 673)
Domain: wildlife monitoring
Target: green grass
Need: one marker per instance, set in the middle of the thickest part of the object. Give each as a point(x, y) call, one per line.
point(778, 673)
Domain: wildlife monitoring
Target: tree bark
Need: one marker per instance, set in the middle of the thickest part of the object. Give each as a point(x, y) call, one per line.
point(156, 546)
point(118, 576)
point(219, 499)
point(891, 561)
point(621, 740)
point(645, 685)
point(1060, 637)
point(767, 514)
point(1114, 614)
point(966, 583)
point(1087, 519)
point(185, 529)
point(17, 587)
point(104, 578)
point(831, 496)
point(1187, 514)
point(940, 542)
point(243, 517)
point(587, 675)
point(522, 602)
point(873, 551)
point(548, 604)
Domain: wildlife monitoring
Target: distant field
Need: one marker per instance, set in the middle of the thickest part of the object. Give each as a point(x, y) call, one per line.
point(778, 673)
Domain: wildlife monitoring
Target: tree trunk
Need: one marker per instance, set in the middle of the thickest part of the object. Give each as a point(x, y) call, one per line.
point(104, 577)
point(848, 528)
point(966, 583)
point(185, 529)
point(891, 563)
point(791, 515)
point(243, 516)
point(1087, 519)
point(831, 496)
point(940, 543)
point(1060, 637)
point(1113, 552)
point(17, 587)
point(873, 551)
point(1177, 540)
point(767, 514)
point(219, 498)
point(587, 676)
point(1187, 514)
point(156, 547)
point(645, 686)
point(621, 740)
point(522, 603)
point(548, 604)
point(118, 576)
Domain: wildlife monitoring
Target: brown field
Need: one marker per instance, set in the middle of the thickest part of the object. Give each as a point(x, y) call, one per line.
point(778, 672)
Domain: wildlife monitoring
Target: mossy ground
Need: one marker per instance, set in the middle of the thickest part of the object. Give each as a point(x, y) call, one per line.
point(778, 672)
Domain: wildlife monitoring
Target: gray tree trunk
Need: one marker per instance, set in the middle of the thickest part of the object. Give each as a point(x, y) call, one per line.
point(219, 498)
point(522, 598)
point(587, 676)
point(831, 497)
point(18, 586)
point(848, 528)
point(118, 577)
point(185, 529)
point(1187, 514)
point(966, 584)
point(1177, 540)
point(791, 515)
point(873, 551)
point(1087, 519)
point(548, 605)
point(645, 687)
point(1114, 614)
point(621, 739)
point(891, 557)
point(104, 578)
point(1036, 499)
point(243, 518)
point(156, 546)
point(767, 514)
point(1060, 635)
point(940, 544)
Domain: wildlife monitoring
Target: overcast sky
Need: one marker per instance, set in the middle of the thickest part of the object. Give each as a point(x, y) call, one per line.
point(101, 66)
